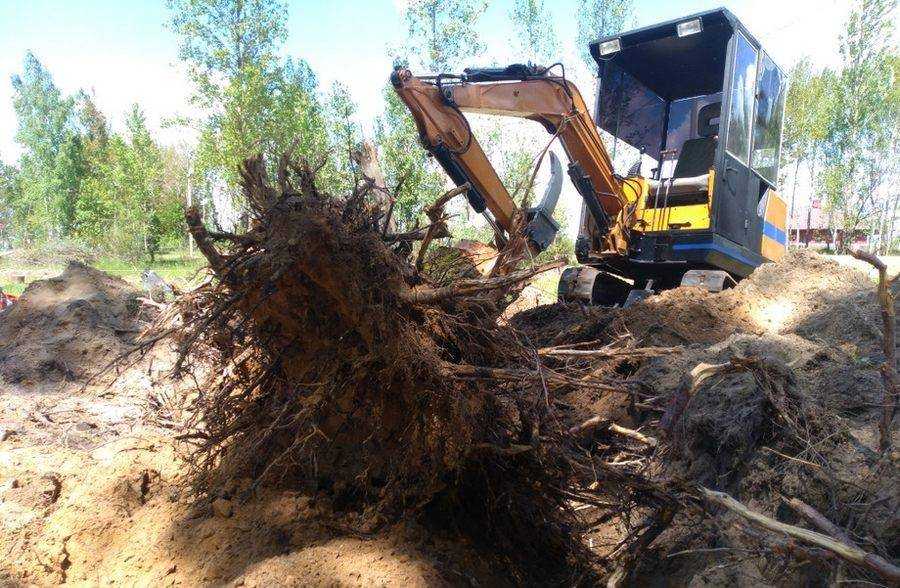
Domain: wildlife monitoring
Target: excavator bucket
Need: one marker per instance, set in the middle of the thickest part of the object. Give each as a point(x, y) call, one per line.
point(541, 229)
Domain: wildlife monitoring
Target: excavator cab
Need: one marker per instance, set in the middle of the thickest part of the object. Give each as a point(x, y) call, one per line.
point(696, 104)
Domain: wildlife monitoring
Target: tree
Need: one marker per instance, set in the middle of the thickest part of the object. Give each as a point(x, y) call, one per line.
point(131, 201)
point(891, 197)
point(344, 134)
point(405, 164)
point(296, 116)
point(535, 35)
point(805, 119)
point(10, 192)
point(91, 120)
point(859, 146)
point(253, 100)
point(263, 111)
point(600, 18)
point(536, 39)
point(442, 33)
point(219, 38)
point(51, 159)
point(145, 182)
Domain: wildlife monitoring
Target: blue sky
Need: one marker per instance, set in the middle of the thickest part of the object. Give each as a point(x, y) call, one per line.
point(122, 51)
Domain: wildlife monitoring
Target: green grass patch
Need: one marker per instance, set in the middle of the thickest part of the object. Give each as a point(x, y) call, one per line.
point(176, 267)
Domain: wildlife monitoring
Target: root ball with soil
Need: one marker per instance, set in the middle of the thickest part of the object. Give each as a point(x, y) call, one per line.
point(344, 368)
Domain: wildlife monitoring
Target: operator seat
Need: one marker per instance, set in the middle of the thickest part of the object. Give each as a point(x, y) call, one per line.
point(689, 183)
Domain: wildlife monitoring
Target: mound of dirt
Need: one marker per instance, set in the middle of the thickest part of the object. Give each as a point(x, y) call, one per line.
point(118, 514)
point(788, 407)
point(804, 293)
point(67, 328)
point(779, 418)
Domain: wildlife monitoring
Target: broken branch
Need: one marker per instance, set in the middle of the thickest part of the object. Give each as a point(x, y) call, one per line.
point(851, 552)
point(435, 214)
point(889, 369)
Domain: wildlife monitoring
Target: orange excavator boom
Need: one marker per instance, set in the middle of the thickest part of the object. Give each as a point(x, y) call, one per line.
point(438, 104)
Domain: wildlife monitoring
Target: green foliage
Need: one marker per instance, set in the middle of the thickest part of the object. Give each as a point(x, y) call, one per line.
point(81, 182)
point(806, 111)
point(405, 164)
point(344, 136)
point(42, 112)
point(131, 203)
point(267, 111)
point(861, 131)
point(10, 190)
point(600, 18)
point(51, 159)
point(254, 101)
point(218, 39)
point(441, 34)
point(537, 40)
point(535, 36)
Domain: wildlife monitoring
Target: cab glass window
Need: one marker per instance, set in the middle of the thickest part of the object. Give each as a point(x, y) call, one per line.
point(743, 82)
point(687, 119)
point(767, 122)
point(630, 111)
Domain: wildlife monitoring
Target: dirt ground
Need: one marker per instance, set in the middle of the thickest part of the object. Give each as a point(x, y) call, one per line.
point(91, 486)
point(91, 477)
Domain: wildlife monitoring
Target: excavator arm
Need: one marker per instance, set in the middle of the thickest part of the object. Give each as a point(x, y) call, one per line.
point(438, 104)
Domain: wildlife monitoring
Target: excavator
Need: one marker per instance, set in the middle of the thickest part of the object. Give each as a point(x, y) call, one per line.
point(698, 104)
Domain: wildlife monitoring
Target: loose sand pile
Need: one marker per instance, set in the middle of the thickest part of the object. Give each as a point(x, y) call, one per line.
point(68, 327)
point(805, 294)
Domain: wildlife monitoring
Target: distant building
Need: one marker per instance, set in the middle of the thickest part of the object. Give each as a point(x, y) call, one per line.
point(809, 227)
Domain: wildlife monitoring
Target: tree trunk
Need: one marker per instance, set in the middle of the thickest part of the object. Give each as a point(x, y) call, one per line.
point(889, 236)
point(366, 157)
point(793, 201)
point(190, 204)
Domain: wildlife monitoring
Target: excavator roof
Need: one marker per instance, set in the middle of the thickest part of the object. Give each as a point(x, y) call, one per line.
point(678, 58)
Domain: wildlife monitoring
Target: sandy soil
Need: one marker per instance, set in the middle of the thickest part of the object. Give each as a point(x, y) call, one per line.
point(92, 485)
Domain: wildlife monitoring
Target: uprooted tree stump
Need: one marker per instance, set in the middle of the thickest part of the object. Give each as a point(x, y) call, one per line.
point(342, 366)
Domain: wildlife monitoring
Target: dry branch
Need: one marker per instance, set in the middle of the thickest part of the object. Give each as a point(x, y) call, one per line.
point(816, 518)
point(435, 214)
point(365, 156)
point(632, 434)
point(202, 238)
point(889, 368)
point(600, 423)
point(849, 552)
point(605, 352)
